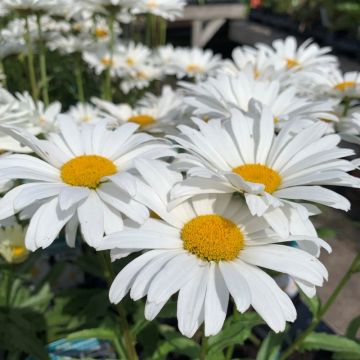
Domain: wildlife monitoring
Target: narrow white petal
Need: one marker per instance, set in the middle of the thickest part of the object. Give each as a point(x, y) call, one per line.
point(216, 301)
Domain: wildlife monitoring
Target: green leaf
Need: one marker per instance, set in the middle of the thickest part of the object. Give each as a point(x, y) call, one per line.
point(176, 343)
point(313, 304)
point(353, 328)
point(19, 336)
point(236, 333)
point(271, 346)
point(329, 342)
point(326, 232)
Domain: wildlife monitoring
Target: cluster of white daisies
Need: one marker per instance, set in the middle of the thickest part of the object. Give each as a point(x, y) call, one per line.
point(211, 184)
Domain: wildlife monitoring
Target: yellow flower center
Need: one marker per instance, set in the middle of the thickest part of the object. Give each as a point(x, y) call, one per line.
point(86, 118)
point(344, 85)
point(193, 68)
point(130, 61)
point(18, 251)
point(152, 4)
point(142, 120)
point(260, 174)
point(87, 170)
point(101, 32)
point(291, 63)
point(107, 61)
point(212, 238)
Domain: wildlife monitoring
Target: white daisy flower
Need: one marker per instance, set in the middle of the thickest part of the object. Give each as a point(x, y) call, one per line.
point(194, 63)
point(18, 110)
point(349, 127)
point(83, 176)
point(207, 249)
point(69, 44)
point(167, 9)
point(100, 59)
point(165, 55)
point(336, 83)
point(256, 63)
point(244, 155)
point(308, 56)
point(216, 97)
point(12, 246)
point(133, 57)
point(140, 78)
point(85, 113)
point(29, 5)
point(153, 114)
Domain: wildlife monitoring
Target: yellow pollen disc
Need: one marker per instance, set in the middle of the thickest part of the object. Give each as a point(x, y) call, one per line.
point(130, 61)
point(18, 251)
point(141, 75)
point(212, 238)
point(290, 63)
point(87, 170)
point(193, 68)
point(86, 118)
point(106, 61)
point(152, 4)
point(101, 32)
point(142, 120)
point(260, 174)
point(344, 85)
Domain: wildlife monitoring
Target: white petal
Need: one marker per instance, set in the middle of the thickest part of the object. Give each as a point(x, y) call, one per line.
point(216, 301)
point(125, 278)
point(173, 276)
point(190, 304)
point(46, 224)
point(71, 231)
point(237, 285)
point(91, 218)
point(72, 195)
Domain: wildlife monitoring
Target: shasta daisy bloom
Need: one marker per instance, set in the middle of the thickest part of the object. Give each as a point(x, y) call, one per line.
point(309, 56)
point(85, 113)
point(133, 56)
point(244, 155)
point(349, 127)
point(29, 5)
point(194, 63)
point(216, 97)
point(19, 111)
point(12, 245)
point(140, 78)
point(83, 176)
point(152, 113)
point(256, 63)
point(100, 59)
point(207, 249)
point(338, 84)
point(167, 9)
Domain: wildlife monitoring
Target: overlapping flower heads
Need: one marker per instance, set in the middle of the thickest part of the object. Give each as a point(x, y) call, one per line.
point(209, 182)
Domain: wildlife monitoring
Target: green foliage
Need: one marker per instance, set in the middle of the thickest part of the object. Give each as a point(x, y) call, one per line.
point(271, 346)
point(329, 342)
point(176, 343)
point(235, 332)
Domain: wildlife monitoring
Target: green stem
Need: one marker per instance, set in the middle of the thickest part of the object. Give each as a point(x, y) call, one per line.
point(30, 59)
point(107, 85)
point(346, 105)
point(340, 286)
point(128, 338)
point(43, 70)
point(203, 348)
point(163, 28)
point(79, 78)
